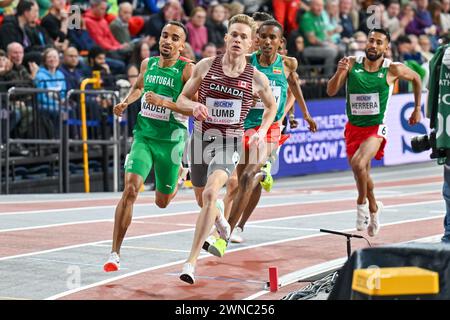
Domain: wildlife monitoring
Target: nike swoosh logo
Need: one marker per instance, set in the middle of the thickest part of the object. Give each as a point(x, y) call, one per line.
point(215, 78)
point(168, 186)
point(359, 70)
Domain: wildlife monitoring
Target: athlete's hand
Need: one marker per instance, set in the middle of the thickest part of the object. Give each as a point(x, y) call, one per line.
point(415, 117)
point(152, 98)
point(119, 108)
point(312, 124)
point(256, 139)
point(293, 123)
point(200, 112)
point(344, 64)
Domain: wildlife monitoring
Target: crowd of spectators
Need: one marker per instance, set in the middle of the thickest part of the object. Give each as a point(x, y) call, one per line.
point(47, 44)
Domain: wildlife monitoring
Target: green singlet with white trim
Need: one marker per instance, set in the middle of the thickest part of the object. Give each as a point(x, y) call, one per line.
point(158, 122)
point(368, 94)
point(278, 83)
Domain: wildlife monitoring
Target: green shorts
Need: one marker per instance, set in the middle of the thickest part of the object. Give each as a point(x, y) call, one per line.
point(164, 156)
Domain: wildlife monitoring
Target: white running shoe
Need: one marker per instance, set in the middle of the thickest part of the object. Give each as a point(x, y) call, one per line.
point(208, 242)
point(362, 216)
point(236, 235)
point(113, 263)
point(187, 275)
point(222, 225)
point(374, 225)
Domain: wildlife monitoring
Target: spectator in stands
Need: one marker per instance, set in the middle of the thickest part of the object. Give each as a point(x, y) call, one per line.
point(425, 47)
point(15, 126)
point(81, 39)
point(391, 21)
point(216, 27)
point(197, 32)
point(98, 29)
point(285, 12)
point(97, 62)
point(299, 51)
point(445, 16)
point(422, 22)
point(56, 21)
point(358, 46)
point(317, 46)
point(345, 15)
point(19, 73)
point(70, 68)
point(40, 40)
point(13, 28)
point(209, 50)
point(188, 52)
point(141, 51)
point(435, 10)
point(171, 11)
point(331, 20)
point(49, 77)
point(119, 27)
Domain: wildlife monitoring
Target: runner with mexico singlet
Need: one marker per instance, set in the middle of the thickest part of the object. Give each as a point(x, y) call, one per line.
point(159, 134)
point(226, 85)
point(369, 81)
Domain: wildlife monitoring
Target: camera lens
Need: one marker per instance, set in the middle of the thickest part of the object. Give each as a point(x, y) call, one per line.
point(420, 143)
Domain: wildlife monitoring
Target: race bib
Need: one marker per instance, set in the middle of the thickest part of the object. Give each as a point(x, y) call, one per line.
point(276, 91)
point(382, 130)
point(365, 104)
point(223, 111)
point(155, 112)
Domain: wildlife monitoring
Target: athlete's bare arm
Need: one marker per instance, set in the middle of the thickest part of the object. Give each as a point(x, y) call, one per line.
point(134, 93)
point(398, 70)
point(187, 99)
point(261, 87)
point(339, 78)
point(293, 79)
point(153, 98)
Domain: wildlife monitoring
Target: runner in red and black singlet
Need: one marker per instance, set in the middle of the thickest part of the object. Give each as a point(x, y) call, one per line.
point(226, 86)
point(228, 98)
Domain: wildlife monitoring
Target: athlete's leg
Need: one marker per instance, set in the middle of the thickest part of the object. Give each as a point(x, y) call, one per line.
point(370, 193)
point(359, 162)
point(167, 163)
point(208, 213)
point(124, 209)
point(232, 188)
point(256, 193)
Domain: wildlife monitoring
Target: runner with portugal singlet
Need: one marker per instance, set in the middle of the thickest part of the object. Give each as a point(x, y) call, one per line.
point(369, 81)
point(281, 72)
point(159, 134)
point(226, 85)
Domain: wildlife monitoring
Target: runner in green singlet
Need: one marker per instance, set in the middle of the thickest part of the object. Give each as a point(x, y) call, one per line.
point(369, 81)
point(160, 131)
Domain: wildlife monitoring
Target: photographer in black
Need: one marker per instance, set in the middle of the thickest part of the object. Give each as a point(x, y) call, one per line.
point(439, 111)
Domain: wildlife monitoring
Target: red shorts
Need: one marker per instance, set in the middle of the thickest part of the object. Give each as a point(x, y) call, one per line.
point(355, 136)
point(272, 136)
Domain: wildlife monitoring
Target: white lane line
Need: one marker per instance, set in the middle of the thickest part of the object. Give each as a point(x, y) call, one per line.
point(95, 284)
point(191, 229)
point(194, 202)
point(300, 202)
point(72, 263)
point(145, 248)
point(324, 267)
